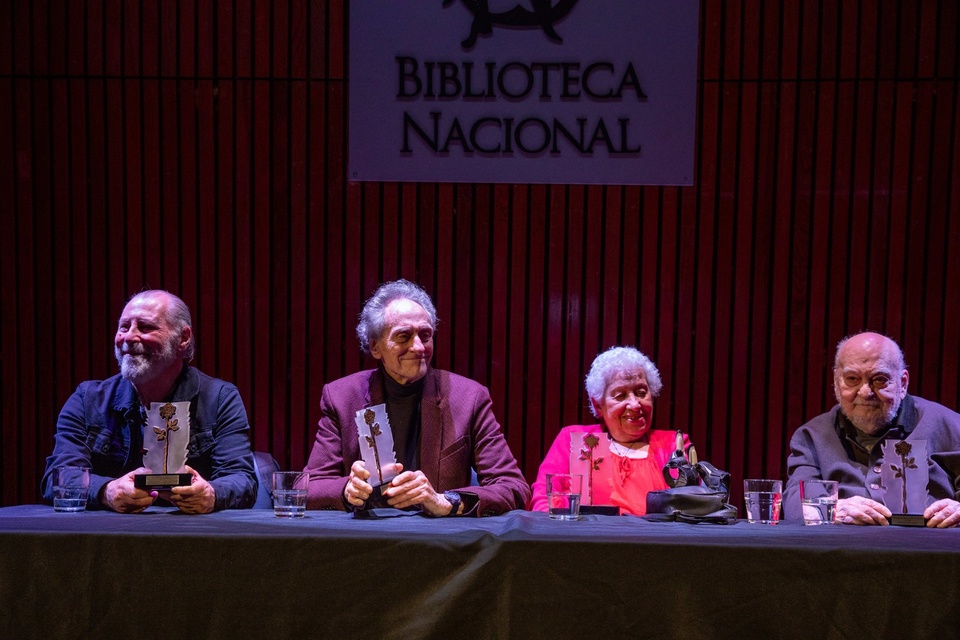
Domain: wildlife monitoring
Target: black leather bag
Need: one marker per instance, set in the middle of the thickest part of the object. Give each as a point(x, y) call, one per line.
point(688, 500)
point(693, 504)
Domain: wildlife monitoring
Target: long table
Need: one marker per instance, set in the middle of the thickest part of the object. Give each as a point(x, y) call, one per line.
point(244, 574)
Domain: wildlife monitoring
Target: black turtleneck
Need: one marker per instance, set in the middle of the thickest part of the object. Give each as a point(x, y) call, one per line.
point(403, 409)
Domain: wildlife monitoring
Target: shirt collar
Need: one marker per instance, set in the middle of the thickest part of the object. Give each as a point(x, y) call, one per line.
point(185, 388)
point(903, 423)
point(396, 391)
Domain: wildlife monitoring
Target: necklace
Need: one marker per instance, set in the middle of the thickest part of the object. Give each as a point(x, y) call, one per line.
point(638, 449)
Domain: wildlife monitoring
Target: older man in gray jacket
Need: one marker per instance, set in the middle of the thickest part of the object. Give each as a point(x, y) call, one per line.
point(844, 444)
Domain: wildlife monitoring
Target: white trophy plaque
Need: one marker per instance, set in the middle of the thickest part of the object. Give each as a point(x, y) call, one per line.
point(587, 453)
point(376, 445)
point(905, 475)
point(165, 439)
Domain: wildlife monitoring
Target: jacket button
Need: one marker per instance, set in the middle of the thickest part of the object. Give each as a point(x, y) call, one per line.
point(874, 486)
point(877, 469)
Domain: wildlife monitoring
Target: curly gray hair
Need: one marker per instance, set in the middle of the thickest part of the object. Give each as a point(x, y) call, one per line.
point(371, 325)
point(616, 360)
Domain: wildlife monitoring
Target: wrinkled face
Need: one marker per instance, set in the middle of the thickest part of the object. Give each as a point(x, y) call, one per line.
point(406, 346)
point(626, 407)
point(867, 382)
point(146, 345)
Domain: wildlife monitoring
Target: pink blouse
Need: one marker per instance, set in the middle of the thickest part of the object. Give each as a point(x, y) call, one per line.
point(617, 480)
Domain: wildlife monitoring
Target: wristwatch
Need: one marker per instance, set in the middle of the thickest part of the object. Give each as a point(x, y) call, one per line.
point(453, 498)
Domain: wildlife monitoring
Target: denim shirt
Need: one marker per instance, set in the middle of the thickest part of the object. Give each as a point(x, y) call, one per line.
point(101, 427)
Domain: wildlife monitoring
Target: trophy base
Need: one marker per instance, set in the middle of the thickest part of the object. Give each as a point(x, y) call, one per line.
point(161, 481)
point(376, 499)
point(599, 510)
point(907, 520)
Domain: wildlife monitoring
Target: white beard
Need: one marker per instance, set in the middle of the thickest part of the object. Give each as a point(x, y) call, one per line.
point(876, 419)
point(136, 366)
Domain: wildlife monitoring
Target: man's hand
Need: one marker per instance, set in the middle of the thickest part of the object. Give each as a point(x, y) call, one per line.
point(121, 496)
point(198, 497)
point(860, 510)
point(412, 488)
point(943, 513)
point(357, 489)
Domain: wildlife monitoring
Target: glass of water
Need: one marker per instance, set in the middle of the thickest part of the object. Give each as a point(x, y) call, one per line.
point(70, 486)
point(762, 499)
point(563, 495)
point(289, 494)
point(818, 498)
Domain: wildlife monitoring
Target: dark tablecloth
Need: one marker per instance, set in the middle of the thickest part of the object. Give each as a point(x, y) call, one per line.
point(243, 574)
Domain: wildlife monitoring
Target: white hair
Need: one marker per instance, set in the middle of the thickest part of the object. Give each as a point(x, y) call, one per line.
point(615, 361)
point(372, 325)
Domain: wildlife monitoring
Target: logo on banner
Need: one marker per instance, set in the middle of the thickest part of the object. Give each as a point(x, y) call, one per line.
point(543, 15)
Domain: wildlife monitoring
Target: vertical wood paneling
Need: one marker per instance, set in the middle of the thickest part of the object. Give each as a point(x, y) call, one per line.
point(515, 370)
point(9, 174)
point(534, 286)
point(948, 389)
point(573, 301)
point(201, 147)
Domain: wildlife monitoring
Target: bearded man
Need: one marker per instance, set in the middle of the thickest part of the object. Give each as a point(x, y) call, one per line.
point(101, 425)
point(870, 381)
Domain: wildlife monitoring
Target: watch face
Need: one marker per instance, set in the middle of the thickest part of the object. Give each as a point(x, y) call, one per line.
point(454, 499)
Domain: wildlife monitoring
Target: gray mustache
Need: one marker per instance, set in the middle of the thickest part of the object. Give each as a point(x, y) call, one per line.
point(132, 349)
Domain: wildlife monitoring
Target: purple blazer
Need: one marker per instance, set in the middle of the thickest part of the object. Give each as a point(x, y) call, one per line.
point(458, 432)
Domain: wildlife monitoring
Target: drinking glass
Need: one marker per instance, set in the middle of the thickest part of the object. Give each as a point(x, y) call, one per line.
point(818, 498)
point(762, 498)
point(289, 494)
point(563, 495)
point(70, 486)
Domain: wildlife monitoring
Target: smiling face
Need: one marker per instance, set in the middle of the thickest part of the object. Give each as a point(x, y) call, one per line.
point(406, 346)
point(626, 408)
point(147, 346)
point(869, 381)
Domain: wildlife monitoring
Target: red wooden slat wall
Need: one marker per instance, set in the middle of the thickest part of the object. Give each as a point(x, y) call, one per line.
point(200, 147)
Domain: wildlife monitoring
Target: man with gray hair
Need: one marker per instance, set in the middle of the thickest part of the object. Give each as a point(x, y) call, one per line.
point(442, 424)
point(870, 381)
point(101, 425)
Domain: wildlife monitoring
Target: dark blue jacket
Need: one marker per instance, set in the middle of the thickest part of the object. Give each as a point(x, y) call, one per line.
point(100, 427)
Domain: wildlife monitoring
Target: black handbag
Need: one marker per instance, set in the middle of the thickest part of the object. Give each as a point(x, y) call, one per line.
point(698, 493)
point(693, 504)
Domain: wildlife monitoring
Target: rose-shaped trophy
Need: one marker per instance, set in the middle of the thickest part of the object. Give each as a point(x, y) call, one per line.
point(905, 474)
point(165, 439)
point(589, 452)
point(376, 446)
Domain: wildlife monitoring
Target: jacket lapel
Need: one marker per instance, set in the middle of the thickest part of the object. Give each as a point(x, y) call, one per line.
point(431, 428)
point(374, 391)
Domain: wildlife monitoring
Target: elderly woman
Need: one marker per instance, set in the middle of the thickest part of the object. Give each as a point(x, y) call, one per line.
point(622, 458)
